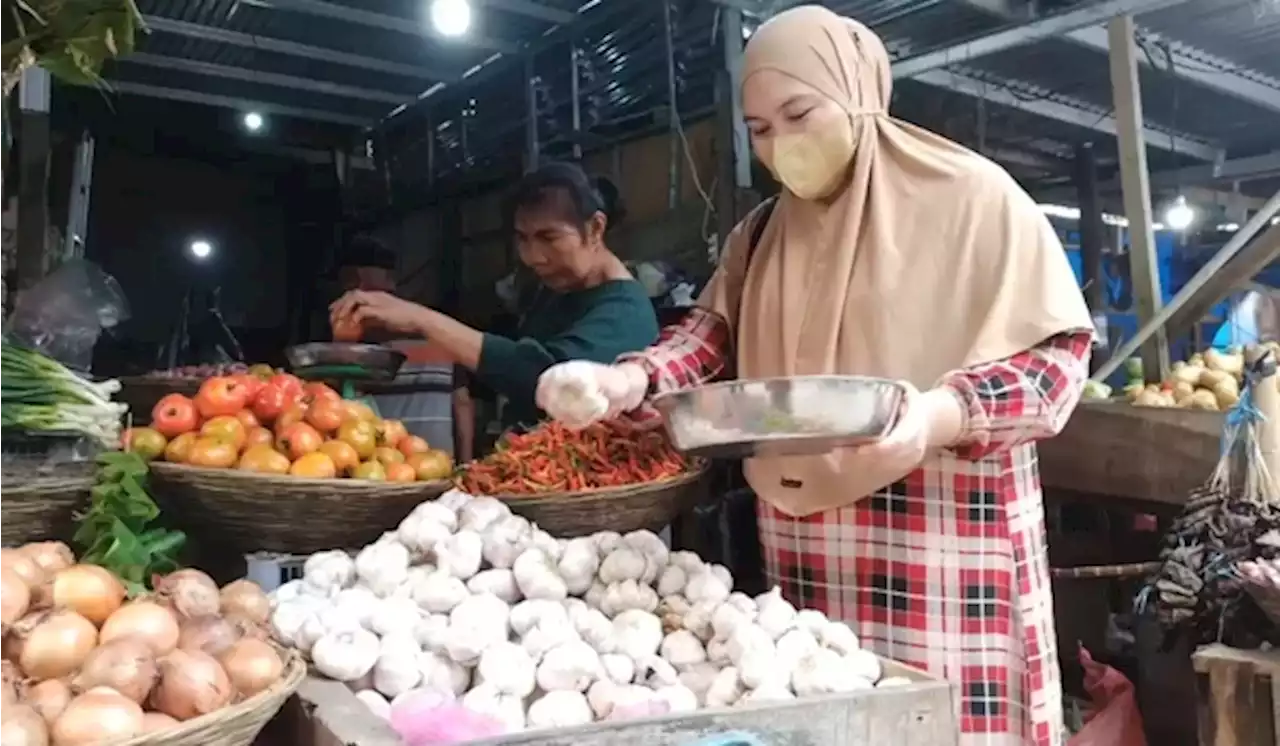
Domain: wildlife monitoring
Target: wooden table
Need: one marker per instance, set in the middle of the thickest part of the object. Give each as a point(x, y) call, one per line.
point(1238, 705)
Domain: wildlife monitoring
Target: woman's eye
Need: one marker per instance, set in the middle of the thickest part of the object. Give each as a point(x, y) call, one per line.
point(798, 117)
point(759, 131)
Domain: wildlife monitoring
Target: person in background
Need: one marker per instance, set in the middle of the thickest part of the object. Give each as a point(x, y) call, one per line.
point(587, 306)
point(895, 253)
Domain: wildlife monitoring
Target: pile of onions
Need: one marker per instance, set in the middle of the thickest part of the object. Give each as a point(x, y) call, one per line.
point(52, 644)
point(145, 620)
point(243, 599)
point(209, 634)
point(48, 698)
point(15, 597)
point(192, 684)
point(190, 592)
point(90, 591)
point(126, 665)
point(98, 716)
point(252, 665)
point(20, 725)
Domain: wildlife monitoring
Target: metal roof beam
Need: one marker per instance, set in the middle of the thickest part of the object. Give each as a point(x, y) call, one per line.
point(212, 70)
point(1062, 112)
point(230, 102)
point(414, 27)
point(1045, 28)
point(1202, 68)
point(532, 10)
point(293, 49)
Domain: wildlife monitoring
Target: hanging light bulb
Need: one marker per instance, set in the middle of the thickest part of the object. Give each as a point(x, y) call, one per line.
point(451, 17)
point(1180, 215)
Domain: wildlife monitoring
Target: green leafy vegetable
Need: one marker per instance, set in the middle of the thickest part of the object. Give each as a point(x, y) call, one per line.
point(115, 531)
point(69, 38)
point(40, 395)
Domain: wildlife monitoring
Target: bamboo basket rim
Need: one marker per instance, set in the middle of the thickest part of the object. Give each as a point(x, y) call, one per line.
point(295, 671)
point(52, 484)
point(688, 476)
point(251, 480)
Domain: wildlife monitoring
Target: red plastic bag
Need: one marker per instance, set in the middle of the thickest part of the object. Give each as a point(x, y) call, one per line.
point(1114, 719)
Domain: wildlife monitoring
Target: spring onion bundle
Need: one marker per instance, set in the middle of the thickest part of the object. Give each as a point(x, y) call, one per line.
point(40, 395)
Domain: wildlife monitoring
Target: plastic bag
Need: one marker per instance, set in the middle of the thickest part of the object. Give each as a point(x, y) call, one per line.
point(1114, 719)
point(428, 718)
point(63, 315)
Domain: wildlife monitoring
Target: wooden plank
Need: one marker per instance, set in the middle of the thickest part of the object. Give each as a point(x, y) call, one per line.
point(920, 714)
point(1126, 96)
point(1237, 707)
point(1242, 267)
point(1146, 454)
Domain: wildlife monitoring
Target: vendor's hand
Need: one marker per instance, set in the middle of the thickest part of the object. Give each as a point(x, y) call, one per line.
point(926, 421)
point(579, 393)
point(375, 308)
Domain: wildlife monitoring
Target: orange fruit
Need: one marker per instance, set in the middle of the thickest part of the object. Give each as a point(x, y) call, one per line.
point(343, 455)
point(391, 432)
point(326, 415)
point(387, 456)
point(359, 411)
point(213, 453)
point(179, 449)
point(400, 472)
point(227, 428)
point(314, 466)
point(361, 436)
point(412, 444)
point(264, 459)
point(144, 441)
point(431, 465)
point(369, 470)
point(258, 436)
point(298, 440)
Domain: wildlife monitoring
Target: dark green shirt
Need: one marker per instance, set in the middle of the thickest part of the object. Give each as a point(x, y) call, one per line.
point(597, 324)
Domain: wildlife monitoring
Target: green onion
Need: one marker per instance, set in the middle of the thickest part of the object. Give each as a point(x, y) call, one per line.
point(40, 395)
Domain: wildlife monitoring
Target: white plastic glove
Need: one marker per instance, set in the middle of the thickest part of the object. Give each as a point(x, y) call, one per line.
point(579, 393)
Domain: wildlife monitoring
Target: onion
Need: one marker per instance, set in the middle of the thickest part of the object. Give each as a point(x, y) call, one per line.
point(53, 644)
point(126, 665)
point(23, 565)
point(22, 726)
point(49, 556)
point(157, 721)
point(252, 665)
point(192, 592)
point(8, 692)
point(192, 684)
point(147, 620)
point(209, 634)
point(98, 716)
point(15, 596)
point(246, 600)
point(89, 590)
point(48, 698)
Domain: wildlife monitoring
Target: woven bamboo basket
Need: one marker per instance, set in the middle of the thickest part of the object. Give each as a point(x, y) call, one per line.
point(652, 506)
point(237, 725)
point(245, 512)
point(42, 509)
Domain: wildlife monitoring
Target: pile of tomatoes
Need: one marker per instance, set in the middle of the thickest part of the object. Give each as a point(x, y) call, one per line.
point(279, 425)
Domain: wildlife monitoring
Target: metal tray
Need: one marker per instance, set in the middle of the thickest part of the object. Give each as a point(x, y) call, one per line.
point(797, 416)
point(353, 358)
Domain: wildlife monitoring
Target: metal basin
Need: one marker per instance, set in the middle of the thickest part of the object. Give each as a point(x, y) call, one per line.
point(795, 416)
point(374, 361)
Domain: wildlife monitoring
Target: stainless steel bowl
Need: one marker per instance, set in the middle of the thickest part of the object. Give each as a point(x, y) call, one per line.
point(375, 361)
point(795, 416)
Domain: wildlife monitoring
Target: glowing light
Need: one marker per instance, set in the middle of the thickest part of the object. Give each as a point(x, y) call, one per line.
point(1180, 215)
point(451, 17)
point(200, 249)
point(253, 121)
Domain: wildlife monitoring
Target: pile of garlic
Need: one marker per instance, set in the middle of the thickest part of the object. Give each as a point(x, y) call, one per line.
point(468, 599)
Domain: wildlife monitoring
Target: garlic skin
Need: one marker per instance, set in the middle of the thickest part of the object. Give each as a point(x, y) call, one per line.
point(682, 648)
point(497, 581)
point(559, 709)
point(537, 576)
point(460, 554)
point(396, 670)
point(346, 655)
point(578, 564)
point(382, 567)
point(507, 709)
point(569, 666)
point(329, 572)
point(439, 592)
point(508, 668)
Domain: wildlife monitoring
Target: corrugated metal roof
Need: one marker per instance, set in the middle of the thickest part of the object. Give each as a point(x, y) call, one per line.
point(1244, 31)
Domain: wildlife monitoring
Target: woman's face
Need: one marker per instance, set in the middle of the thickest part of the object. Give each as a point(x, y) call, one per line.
point(777, 104)
point(561, 253)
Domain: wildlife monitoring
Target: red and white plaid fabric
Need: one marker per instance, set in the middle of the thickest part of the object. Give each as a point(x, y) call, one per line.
point(946, 570)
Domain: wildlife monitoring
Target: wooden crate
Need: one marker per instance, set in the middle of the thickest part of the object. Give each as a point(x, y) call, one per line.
point(327, 713)
point(1239, 705)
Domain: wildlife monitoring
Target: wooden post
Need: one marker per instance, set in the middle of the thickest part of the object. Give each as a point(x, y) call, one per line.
point(33, 176)
point(1135, 182)
point(1266, 397)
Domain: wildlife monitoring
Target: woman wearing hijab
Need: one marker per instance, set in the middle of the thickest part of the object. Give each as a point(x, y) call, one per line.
point(896, 253)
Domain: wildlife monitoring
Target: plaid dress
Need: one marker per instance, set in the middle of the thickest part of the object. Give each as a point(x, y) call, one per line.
point(947, 569)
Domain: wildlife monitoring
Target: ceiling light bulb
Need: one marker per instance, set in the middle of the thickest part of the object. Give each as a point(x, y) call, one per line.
point(253, 121)
point(451, 17)
point(201, 249)
point(1180, 215)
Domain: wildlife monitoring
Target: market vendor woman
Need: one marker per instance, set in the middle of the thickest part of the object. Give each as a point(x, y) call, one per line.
point(896, 253)
point(588, 306)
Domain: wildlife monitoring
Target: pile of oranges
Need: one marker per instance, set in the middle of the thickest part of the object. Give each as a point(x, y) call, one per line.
point(279, 425)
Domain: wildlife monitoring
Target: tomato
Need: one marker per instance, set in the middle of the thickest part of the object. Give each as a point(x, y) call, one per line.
point(259, 436)
point(370, 470)
point(269, 403)
point(292, 415)
point(261, 371)
point(391, 432)
point(400, 472)
point(387, 456)
point(248, 419)
point(298, 440)
point(347, 329)
point(343, 455)
point(326, 415)
point(360, 436)
point(314, 466)
point(179, 449)
point(221, 395)
point(316, 391)
point(359, 411)
point(214, 453)
point(225, 428)
point(144, 441)
point(412, 444)
point(251, 384)
point(264, 459)
point(174, 415)
point(289, 384)
point(431, 465)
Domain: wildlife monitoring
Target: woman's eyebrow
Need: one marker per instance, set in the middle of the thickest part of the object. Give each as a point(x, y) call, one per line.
point(798, 98)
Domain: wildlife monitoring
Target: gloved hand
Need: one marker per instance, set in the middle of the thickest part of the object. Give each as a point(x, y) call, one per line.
point(579, 393)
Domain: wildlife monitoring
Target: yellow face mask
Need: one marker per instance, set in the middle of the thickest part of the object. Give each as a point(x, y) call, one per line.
point(812, 164)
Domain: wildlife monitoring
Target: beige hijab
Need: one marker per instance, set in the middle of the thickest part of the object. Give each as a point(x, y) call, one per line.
point(931, 258)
